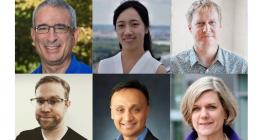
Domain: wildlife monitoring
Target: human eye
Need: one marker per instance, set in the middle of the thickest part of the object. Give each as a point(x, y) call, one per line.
point(195, 109)
point(120, 25)
point(199, 24)
point(40, 101)
point(135, 24)
point(119, 110)
point(136, 110)
point(212, 23)
point(212, 107)
point(60, 28)
point(54, 101)
point(42, 29)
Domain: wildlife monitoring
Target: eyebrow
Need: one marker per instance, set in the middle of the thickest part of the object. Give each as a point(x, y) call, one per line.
point(56, 96)
point(206, 104)
point(132, 20)
point(132, 106)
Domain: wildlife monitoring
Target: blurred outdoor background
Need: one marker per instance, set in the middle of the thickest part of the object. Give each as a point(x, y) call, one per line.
point(238, 85)
point(25, 55)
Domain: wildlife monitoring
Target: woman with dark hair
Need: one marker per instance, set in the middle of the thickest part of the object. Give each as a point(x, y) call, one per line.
point(131, 24)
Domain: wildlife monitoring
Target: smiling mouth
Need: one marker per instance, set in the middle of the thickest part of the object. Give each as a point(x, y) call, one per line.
point(128, 40)
point(52, 48)
point(206, 124)
point(128, 125)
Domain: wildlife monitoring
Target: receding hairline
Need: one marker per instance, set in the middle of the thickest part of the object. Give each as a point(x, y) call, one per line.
point(129, 88)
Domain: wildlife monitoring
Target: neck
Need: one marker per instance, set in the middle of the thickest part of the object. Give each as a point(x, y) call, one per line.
point(206, 54)
point(130, 58)
point(218, 136)
point(55, 133)
point(60, 68)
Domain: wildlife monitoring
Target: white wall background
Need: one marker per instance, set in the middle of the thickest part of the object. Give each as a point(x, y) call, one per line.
point(234, 30)
point(79, 114)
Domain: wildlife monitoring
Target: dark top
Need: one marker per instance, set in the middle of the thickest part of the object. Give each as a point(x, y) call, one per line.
point(148, 136)
point(74, 67)
point(230, 133)
point(35, 134)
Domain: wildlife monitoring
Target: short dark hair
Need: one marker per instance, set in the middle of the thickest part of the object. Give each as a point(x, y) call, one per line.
point(54, 79)
point(135, 84)
point(143, 13)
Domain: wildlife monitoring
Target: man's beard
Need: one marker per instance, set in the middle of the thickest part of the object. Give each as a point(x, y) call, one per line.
point(49, 124)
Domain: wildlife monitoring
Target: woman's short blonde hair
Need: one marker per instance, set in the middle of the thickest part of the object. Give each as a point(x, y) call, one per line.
point(202, 85)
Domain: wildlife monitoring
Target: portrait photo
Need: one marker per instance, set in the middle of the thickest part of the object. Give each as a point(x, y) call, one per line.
point(119, 107)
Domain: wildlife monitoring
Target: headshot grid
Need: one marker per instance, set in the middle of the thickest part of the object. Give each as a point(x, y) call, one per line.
point(131, 70)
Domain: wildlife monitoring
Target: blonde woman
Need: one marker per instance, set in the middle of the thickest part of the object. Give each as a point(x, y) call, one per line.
point(209, 108)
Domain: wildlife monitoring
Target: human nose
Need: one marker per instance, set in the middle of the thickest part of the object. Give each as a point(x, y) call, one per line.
point(52, 35)
point(45, 107)
point(128, 30)
point(128, 116)
point(204, 113)
point(206, 27)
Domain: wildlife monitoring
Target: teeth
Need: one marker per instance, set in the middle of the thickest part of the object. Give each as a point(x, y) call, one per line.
point(128, 125)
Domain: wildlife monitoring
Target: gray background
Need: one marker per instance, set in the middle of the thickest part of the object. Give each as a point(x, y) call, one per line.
point(159, 119)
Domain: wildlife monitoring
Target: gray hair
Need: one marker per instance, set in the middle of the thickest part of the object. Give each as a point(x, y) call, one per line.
point(57, 4)
point(203, 4)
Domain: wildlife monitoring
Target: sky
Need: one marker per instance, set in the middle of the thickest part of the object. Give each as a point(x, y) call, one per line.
point(159, 11)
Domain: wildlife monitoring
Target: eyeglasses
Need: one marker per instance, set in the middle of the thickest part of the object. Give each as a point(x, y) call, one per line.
point(58, 28)
point(51, 101)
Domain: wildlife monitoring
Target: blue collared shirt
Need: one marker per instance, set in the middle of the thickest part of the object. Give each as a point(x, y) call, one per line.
point(225, 63)
point(140, 137)
point(74, 67)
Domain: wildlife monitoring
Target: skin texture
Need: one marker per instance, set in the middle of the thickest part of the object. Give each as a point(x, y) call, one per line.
point(51, 117)
point(129, 111)
point(53, 48)
point(205, 27)
point(130, 30)
point(208, 117)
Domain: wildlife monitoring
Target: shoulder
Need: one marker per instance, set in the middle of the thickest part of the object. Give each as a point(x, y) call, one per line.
point(77, 66)
point(104, 65)
point(72, 135)
point(235, 61)
point(182, 57)
point(180, 62)
point(30, 134)
point(150, 136)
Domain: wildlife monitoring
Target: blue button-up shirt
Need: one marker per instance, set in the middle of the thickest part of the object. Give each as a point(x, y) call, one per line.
point(74, 67)
point(225, 63)
point(140, 137)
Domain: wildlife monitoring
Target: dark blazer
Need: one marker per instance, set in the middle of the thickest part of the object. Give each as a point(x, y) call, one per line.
point(150, 136)
point(35, 134)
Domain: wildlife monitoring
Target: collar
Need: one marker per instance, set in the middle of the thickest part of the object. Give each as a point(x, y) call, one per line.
point(60, 137)
point(74, 66)
point(194, 58)
point(230, 133)
point(140, 137)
